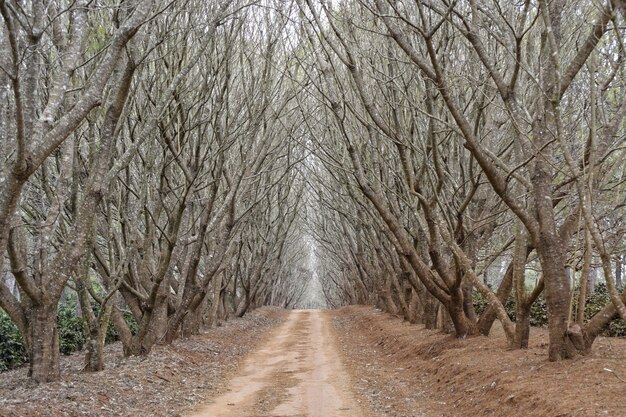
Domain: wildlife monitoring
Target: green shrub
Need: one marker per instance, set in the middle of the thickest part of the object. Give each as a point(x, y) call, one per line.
point(538, 312)
point(12, 350)
point(70, 327)
point(539, 309)
point(113, 336)
point(596, 302)
point(481, 303)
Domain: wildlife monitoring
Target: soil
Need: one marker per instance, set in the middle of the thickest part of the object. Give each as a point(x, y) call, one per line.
point(352, 362)
point(406, 370)
point(296, 373)
point(168, 382)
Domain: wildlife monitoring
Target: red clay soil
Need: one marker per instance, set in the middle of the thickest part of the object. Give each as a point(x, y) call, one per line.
point(406, 370)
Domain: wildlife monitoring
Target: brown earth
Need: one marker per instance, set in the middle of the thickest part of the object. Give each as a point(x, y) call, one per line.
point(405, 370)
point(168, 382)
point(353, 362)
point(297, 372)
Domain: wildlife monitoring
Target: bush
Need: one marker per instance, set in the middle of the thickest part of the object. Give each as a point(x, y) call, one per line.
point(481, 303)
point(12, 350)
point(539, 309)
point(538, 312)
point(70, 326)
point(595, 303)
point(112, 335)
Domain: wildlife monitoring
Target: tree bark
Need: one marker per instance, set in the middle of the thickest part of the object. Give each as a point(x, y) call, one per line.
point(618, 272)
point(43, 347)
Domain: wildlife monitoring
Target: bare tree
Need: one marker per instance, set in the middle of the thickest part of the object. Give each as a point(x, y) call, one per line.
point(42, 40)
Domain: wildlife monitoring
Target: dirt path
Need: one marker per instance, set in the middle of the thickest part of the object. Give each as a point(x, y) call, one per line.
point(298, 372)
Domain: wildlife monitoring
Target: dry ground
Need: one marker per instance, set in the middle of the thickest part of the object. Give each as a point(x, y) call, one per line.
point(168, 382)
point(405, 370)
point(297, 372)
point(353, 362)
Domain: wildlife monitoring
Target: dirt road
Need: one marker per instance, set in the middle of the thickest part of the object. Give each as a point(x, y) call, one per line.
point(287, 364)
point(298, 372)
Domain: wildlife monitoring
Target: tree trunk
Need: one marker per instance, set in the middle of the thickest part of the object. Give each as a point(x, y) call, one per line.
point(222, 310)
point(123, 330)
point(468, 305)
point(193, 321)
point(389, 304)
point(94, 357)
point(582, 338)
point(151, 328)
point(217, 300)
point(403, 295)
point(191, 324)
point(416, 310)
point(444, 321)
point(551, 252)
point(244, 303)
point(463, 326)
point(522, 327)
point(584, 279)
point(94, 360)
point(591, 283)
point(431, 308)
point(618, 272)
point(43, 347)
point(486, 319)
point(557, 298)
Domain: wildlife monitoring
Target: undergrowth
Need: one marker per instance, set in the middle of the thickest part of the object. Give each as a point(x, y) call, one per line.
point(70, 326)
point(539, 311)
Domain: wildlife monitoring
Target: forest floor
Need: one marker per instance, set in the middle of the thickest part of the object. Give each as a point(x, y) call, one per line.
point(352, 362)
